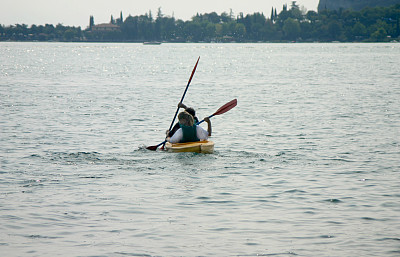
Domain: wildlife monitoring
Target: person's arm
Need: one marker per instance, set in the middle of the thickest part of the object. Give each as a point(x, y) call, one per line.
point(209, 129)
point(173, 130)
point(176, 138)
point(181, 105)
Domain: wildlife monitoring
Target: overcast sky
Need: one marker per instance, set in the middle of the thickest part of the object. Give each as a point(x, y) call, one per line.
point(77, 12)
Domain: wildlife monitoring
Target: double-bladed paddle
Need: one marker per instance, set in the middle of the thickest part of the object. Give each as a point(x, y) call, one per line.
point(223, 109)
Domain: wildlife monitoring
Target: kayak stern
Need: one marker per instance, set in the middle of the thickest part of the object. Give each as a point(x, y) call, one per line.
point(195, 147)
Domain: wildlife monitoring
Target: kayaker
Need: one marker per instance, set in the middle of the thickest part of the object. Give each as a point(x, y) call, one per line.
point(191, 111)
point(188, 131)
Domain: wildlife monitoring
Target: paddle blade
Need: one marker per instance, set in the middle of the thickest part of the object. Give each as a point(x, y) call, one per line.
point(152, 148)
point(226, 107)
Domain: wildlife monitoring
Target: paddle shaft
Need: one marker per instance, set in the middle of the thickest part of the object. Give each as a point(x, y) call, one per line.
point(198, 123)
point(184, 93)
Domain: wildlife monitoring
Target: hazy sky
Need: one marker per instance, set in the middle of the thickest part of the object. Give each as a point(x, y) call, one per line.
point(77, 12)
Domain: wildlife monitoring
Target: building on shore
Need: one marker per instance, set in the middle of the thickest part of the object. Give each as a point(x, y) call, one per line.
point(105, 27)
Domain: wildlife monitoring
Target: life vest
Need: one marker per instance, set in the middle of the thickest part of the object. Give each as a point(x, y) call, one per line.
point(189, 133)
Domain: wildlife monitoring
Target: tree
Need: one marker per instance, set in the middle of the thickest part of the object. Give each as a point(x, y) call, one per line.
point(294, 5)
point(120, 20)
point(168, 28)
point(69, 34)
point(270, 32)
point(312, 16)
point(130, 28)
point(379, 35)
point(218, 30)
point(212, 17)
point(295, 12)
point(240, 31)
point(209, 29)
point(335, 30)
point(193, 31)
point(359, 31)
point(272, 14)
point(50, 32)
point(291, 28)
point(225, 17)
point(91, 22)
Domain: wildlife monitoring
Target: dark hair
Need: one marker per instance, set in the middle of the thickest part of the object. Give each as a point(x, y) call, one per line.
point(191, 111)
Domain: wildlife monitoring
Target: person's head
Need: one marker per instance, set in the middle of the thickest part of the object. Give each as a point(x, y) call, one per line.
point(186, 119)
point(191, 111)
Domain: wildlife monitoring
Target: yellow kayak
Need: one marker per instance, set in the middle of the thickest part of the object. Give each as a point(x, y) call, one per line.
point(195, 147)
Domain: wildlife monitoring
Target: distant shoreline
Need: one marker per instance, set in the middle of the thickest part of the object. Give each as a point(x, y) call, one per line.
point(380, 24)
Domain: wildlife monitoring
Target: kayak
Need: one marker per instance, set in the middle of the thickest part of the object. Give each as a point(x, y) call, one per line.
point(195, 147)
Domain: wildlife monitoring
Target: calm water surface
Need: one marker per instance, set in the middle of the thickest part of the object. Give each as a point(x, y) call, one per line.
point(307, 164)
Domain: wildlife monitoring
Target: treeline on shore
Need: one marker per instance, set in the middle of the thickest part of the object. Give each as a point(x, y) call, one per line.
point(379, 24)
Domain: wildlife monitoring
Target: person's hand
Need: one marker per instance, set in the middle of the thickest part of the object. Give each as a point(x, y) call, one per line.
point(166, 132)
point(207, 119)
point(181, 105)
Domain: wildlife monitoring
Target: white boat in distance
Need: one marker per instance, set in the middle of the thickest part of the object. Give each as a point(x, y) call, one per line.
point(152, 43)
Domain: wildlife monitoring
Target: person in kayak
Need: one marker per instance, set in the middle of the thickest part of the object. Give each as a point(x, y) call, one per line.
point(191, 111)
point(188, 131)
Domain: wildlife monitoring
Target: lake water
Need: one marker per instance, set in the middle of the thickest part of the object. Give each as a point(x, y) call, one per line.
point(307, 163)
